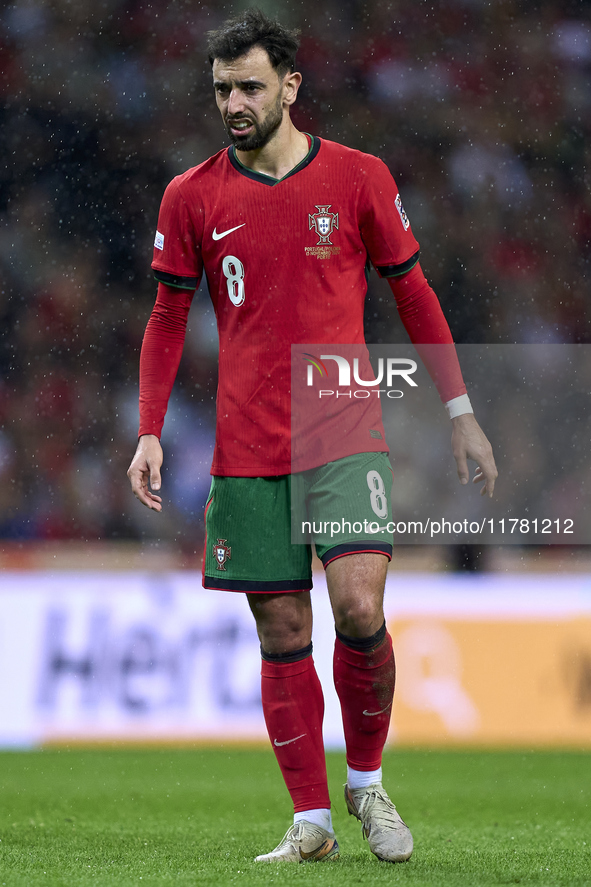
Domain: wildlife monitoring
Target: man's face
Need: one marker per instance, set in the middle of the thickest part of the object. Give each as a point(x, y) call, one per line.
point(249, 95)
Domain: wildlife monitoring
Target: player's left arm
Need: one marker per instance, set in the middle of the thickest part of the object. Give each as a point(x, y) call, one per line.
point(426, 325)
point(394, 252)
point(468, 441)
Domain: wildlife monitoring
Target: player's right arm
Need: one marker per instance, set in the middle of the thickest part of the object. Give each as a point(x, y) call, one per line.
point(159, 361)
point(177, 267)
point(144, 471)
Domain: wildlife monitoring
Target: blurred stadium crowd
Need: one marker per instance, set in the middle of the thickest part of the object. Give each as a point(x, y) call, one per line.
point(481, 108)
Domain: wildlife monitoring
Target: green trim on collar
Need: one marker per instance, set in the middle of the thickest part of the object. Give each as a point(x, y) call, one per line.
point(269, 180)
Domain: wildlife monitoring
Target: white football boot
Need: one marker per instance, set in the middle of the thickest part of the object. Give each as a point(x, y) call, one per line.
point(303, 842)
point(387, 835)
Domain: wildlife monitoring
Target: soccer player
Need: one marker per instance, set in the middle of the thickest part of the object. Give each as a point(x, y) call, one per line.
point(283, 223)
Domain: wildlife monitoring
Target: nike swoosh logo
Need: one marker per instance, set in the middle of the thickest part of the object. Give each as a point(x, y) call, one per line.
point(318, 852)
point(372, 714)
point(287, 741)
point(219, 236)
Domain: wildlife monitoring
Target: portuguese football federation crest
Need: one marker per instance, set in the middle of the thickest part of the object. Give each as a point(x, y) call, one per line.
point(222, 553)
point(324, 223)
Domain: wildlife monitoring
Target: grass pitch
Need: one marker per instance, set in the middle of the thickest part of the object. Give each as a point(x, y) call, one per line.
point(198, 817)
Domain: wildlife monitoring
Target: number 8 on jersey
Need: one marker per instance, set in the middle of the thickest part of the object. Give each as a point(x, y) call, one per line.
point(234, 273)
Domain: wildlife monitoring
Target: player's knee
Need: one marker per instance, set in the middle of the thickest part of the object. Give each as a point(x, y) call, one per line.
point(358, 617)
point(283, 625)
point(284, 638)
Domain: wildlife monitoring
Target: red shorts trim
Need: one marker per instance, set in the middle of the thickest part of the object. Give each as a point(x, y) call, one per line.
point(256, 586)
point(347, 548)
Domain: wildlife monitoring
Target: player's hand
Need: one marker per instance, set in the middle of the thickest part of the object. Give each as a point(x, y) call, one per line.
point(144, 471)
point(468, 441)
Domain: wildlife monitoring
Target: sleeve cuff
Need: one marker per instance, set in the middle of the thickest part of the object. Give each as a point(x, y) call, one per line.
point(458, 406)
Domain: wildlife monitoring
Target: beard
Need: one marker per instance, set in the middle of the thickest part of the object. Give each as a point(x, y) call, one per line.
point(262, 132)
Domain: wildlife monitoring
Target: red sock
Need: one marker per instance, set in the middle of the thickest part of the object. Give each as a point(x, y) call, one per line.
point(364, 681)
point(293, 706)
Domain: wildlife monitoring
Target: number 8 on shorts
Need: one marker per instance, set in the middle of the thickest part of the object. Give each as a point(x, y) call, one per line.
point(378, 497)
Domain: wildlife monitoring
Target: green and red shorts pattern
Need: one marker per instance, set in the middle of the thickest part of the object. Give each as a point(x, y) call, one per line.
point(259, 531)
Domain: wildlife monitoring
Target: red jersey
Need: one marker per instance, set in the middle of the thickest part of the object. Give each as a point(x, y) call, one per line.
point(286, 263)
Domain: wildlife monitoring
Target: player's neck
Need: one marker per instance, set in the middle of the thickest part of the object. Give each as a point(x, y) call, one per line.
point(280, 155)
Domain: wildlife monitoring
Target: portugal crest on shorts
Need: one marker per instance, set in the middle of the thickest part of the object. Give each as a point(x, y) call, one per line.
point(324, 223)
point(222, 553)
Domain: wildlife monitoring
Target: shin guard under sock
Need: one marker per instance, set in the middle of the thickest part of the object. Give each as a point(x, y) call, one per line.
point(293, 705)
point(364, 681)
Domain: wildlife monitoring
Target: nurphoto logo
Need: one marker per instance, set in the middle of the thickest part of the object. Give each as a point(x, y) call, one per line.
point(389, 369)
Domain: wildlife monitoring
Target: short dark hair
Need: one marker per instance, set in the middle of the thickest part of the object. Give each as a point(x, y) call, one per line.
point(251, 28)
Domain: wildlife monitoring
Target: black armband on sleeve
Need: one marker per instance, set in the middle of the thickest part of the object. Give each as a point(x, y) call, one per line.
point(398, 270)
point(183, 283)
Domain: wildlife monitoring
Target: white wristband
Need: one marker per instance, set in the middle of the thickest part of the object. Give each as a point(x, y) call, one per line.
point(457, 406)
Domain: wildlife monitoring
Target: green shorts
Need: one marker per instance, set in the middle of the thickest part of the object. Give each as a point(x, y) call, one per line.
point(259, 530)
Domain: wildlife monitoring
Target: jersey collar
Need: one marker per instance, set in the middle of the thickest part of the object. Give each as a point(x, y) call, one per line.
point(269, 180)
